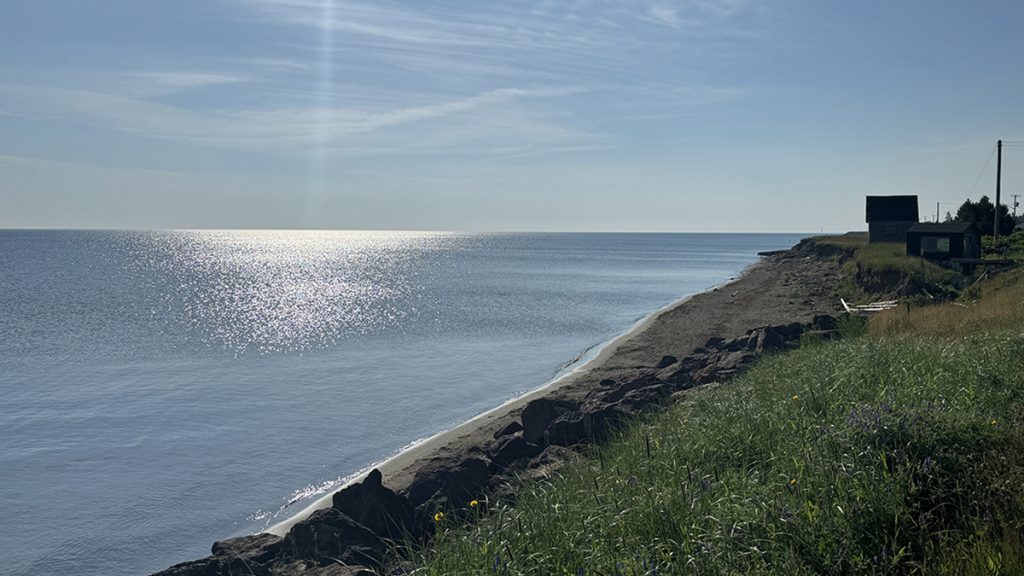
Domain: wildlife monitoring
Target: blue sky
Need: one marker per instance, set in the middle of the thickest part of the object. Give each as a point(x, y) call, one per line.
point(646, 115)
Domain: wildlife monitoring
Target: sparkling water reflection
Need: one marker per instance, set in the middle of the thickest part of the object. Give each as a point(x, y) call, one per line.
point(165, 389)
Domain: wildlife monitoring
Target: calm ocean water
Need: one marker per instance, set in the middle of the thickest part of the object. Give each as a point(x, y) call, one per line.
point(160, 390)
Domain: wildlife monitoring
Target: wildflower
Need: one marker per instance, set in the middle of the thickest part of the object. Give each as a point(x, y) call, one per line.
point(474, 503)
point(795, 397)
point(993, 422)
point(792, 482)
point(439, 516)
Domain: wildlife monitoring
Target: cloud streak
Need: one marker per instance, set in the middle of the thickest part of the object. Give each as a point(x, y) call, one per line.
point(278, 128)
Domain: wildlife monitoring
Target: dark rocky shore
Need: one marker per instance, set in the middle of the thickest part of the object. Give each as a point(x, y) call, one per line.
point(705, 339)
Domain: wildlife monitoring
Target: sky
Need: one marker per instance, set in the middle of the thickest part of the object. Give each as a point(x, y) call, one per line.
point(520, 115)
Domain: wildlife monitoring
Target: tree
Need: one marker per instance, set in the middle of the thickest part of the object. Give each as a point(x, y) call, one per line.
point(982, 214)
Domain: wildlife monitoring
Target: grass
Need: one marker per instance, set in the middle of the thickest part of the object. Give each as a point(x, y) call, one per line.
point(871, 271)
point(997, 304)
point(898, 451)
point(849, 241)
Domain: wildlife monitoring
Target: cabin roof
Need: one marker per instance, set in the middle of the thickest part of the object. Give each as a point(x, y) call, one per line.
point(891, 209)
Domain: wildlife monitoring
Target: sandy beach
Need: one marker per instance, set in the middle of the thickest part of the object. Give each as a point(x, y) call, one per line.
point(784, 287)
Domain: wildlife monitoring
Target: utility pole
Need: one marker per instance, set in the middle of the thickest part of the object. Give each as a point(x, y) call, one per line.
point(1015, 204)
point(936, 212)
point(999, 178)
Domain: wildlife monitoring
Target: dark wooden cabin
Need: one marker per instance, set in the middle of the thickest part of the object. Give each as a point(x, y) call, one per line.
point(890, 217)
point(944, 242)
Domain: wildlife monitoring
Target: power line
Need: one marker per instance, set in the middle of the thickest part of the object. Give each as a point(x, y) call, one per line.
point(982, 172)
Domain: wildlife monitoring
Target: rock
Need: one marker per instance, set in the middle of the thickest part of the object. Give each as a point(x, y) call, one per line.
point(735, 360)
point(769, 341)
point(677, 374)
point(619, 392)
point(567, 430)
point(511, 448)
point(508, 430)
point(463, 483)
point(258, 548)
point(309, 569)
point(714, 343)
point(791, 331)
point(603, 420)
point(539, 413)
point(449, 485)
point(205, 567)
point(550, 461)
point(738, 344)
point(329, 535)
point(824, 322)
point(251, 555)
point(384, 512)
point(726, 364)
point(666, 361)
point(640, 399)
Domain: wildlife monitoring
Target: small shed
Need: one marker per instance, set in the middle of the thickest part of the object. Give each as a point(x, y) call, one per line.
point(944, 242)
point(890, 217)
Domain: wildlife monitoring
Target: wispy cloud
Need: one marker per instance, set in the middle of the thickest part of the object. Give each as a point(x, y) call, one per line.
point(662, 14)
point(531, 39)
point(188, 80)
point(280, 128)
point(519, 78)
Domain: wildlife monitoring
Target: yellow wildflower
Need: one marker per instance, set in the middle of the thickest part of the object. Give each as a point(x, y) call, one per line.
point(439, 516)
point(792, 482)
point(795, 397)
point(474, 503)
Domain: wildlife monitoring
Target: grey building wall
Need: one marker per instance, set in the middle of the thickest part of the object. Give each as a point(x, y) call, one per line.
point(888, 231)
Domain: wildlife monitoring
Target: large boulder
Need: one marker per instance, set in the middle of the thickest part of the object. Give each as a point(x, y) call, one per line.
point(678, 374)
point(509, 429)
point(603, 420)
point(540, 413)
point(449, 484)
point(258, 548)
point(251, 555)
point(666, 361)
point(567, 430)
point(329, 536)
point(769, 340)
point(824, 322)
point(384, 512)
point(509, 449)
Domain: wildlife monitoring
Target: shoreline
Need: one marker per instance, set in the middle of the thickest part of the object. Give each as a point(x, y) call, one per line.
point(700, 339)
point(407, 457)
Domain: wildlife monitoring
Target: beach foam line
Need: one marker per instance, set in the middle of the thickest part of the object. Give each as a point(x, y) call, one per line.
point(407, 456)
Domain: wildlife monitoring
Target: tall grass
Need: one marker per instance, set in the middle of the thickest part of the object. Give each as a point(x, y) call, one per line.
point(889, 453)
point(997, 304)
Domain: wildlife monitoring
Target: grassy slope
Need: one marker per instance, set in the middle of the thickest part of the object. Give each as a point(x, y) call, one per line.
point(871, 267)
point(896, 451)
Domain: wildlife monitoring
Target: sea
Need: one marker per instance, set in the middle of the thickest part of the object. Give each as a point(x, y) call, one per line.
point(160, 390)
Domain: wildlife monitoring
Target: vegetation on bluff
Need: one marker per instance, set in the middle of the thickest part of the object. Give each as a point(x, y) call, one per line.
point(898, 449)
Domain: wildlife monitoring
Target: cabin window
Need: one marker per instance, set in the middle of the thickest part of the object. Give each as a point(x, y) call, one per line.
point(934, 245)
